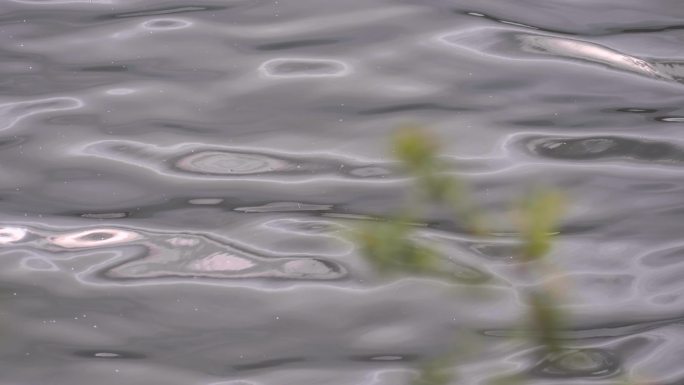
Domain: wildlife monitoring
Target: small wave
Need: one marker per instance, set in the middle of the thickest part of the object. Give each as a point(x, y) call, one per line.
point(212, 161)
point(304, 68)
point(605, 148)
point(581, 363)
point(515, 45)
point(167, 255)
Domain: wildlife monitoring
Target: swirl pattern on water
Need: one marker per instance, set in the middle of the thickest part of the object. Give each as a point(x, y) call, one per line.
point(215, 162)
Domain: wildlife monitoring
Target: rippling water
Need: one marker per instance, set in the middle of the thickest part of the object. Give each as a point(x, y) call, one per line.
point(178, 177)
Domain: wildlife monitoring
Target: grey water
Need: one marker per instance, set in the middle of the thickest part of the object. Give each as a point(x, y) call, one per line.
point(178, 179)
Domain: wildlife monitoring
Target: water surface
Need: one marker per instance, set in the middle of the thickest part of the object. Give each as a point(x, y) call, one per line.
point(178, 178)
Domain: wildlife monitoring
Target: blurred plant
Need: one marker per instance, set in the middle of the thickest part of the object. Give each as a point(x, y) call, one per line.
point(391, 245)
point(436, 372)
point(538, 216)
point(418, 153)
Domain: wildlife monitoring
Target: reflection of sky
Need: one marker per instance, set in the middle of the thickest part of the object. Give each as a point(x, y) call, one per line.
point(94, 238)
point(11, 234)
point(166, 255)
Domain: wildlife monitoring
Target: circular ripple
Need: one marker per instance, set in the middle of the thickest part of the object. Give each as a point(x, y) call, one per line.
point(578, 363)
point(231, 163)
point(166, 24)
point(299, 68)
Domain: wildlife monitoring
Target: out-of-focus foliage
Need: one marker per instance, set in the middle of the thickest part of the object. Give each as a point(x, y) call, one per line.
point(391, 248)
point(546, 318)
point(539, 215)
point(436, 372)
point(418, 153)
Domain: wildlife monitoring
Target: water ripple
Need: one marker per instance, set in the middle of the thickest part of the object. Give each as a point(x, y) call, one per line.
point(499, 42)
point(584, 363)
point(165, 24)
point(163, 11)
point(179, 179)
point(109, 354)
point(227, 163)
point(606, 148)
point(16, 111)
point(203, 160)
point(169, 255)
point(275, 207)
point(304, 68)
